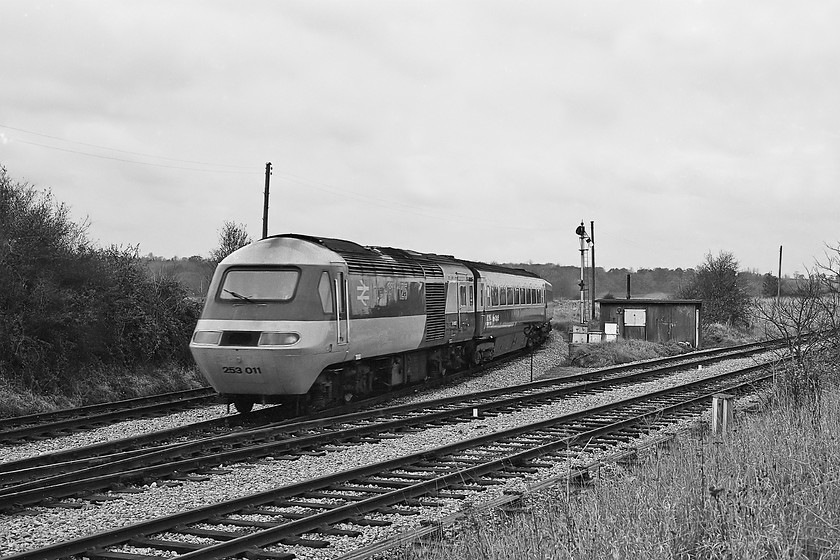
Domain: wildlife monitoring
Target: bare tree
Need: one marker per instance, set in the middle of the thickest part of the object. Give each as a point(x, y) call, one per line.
point(807, 320)
point(232, 236)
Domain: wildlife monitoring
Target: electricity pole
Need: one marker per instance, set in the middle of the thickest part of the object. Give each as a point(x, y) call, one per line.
point(779, 283)
point(265, 203)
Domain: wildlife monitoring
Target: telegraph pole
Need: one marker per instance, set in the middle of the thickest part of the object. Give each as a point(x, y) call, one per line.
point(265, 202)
point(779, 283)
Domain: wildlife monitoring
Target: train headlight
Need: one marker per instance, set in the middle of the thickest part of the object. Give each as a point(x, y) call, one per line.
point(207, 337)
point(278, 338)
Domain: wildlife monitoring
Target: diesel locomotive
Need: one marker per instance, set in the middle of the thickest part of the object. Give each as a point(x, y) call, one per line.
point(316, 322)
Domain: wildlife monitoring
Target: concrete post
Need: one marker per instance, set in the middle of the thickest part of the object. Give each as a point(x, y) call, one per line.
point(721, 413)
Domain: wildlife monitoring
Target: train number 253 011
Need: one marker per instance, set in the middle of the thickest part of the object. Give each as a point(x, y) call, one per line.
point(241, 370)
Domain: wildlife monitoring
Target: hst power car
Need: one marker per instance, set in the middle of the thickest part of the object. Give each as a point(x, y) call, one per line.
point(316, 322)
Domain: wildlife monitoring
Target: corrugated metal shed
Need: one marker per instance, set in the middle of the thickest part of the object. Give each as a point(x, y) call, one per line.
point(654, 320)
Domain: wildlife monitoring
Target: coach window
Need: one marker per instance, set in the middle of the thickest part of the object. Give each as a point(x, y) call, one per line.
point(462, 293)
point(325, 291)
point(522, 295)
point(510, 296)
point(495, 296)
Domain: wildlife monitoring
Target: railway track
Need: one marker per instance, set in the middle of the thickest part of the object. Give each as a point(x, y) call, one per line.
point(60, 423)
point(313, 513)
point(181, 453)
point(35, 427)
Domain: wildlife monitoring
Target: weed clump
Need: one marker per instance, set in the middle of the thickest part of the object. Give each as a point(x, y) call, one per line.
point(621, 351)
point(722, 335)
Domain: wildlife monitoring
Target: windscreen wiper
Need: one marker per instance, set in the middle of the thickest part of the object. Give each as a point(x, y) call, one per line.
point(238, 296)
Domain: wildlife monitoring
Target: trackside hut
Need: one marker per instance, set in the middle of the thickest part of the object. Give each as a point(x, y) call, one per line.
point(654, 320)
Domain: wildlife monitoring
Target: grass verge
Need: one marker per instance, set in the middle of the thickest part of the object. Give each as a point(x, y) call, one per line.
point(770, 489)
point(98, 385)
point(604, 354)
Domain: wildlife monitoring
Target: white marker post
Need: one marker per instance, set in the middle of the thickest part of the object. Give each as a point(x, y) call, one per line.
point(721, 413)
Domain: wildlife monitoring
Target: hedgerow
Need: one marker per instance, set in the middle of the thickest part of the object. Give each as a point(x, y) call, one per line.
point(68, 306)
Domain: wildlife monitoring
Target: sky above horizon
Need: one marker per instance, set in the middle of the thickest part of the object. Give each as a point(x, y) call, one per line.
point(484, 129)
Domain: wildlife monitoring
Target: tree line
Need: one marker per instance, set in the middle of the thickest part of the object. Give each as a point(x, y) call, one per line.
point(644, 282)
point(194, 273)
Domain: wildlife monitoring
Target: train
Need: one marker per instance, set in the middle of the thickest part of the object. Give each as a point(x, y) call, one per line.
point(315, 322)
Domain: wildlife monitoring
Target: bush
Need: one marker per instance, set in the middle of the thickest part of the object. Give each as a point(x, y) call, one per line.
point(719, 334)
point(69, 309)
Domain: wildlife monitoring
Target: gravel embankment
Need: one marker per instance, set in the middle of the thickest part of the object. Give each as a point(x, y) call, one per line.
point(46, 526)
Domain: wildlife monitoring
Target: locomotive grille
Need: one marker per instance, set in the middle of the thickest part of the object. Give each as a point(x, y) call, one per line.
point(435, 311)
point(376, 265)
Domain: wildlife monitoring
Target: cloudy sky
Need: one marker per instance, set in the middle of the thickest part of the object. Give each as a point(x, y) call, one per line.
point(486, 129)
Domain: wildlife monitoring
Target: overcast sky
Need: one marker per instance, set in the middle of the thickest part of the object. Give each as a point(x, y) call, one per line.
point(484, 129)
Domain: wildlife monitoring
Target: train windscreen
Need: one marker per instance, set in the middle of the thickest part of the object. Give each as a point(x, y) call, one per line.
point(251, 285)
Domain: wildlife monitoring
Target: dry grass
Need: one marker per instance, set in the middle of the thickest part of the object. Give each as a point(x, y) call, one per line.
point(717, 335)
point(98, 385)
point(565, 314)
point(621, 351)
point(771, 489)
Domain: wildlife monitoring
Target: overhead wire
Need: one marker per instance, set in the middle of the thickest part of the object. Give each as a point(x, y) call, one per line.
point(100, 156)
point(287, 177)
point(52, 137)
